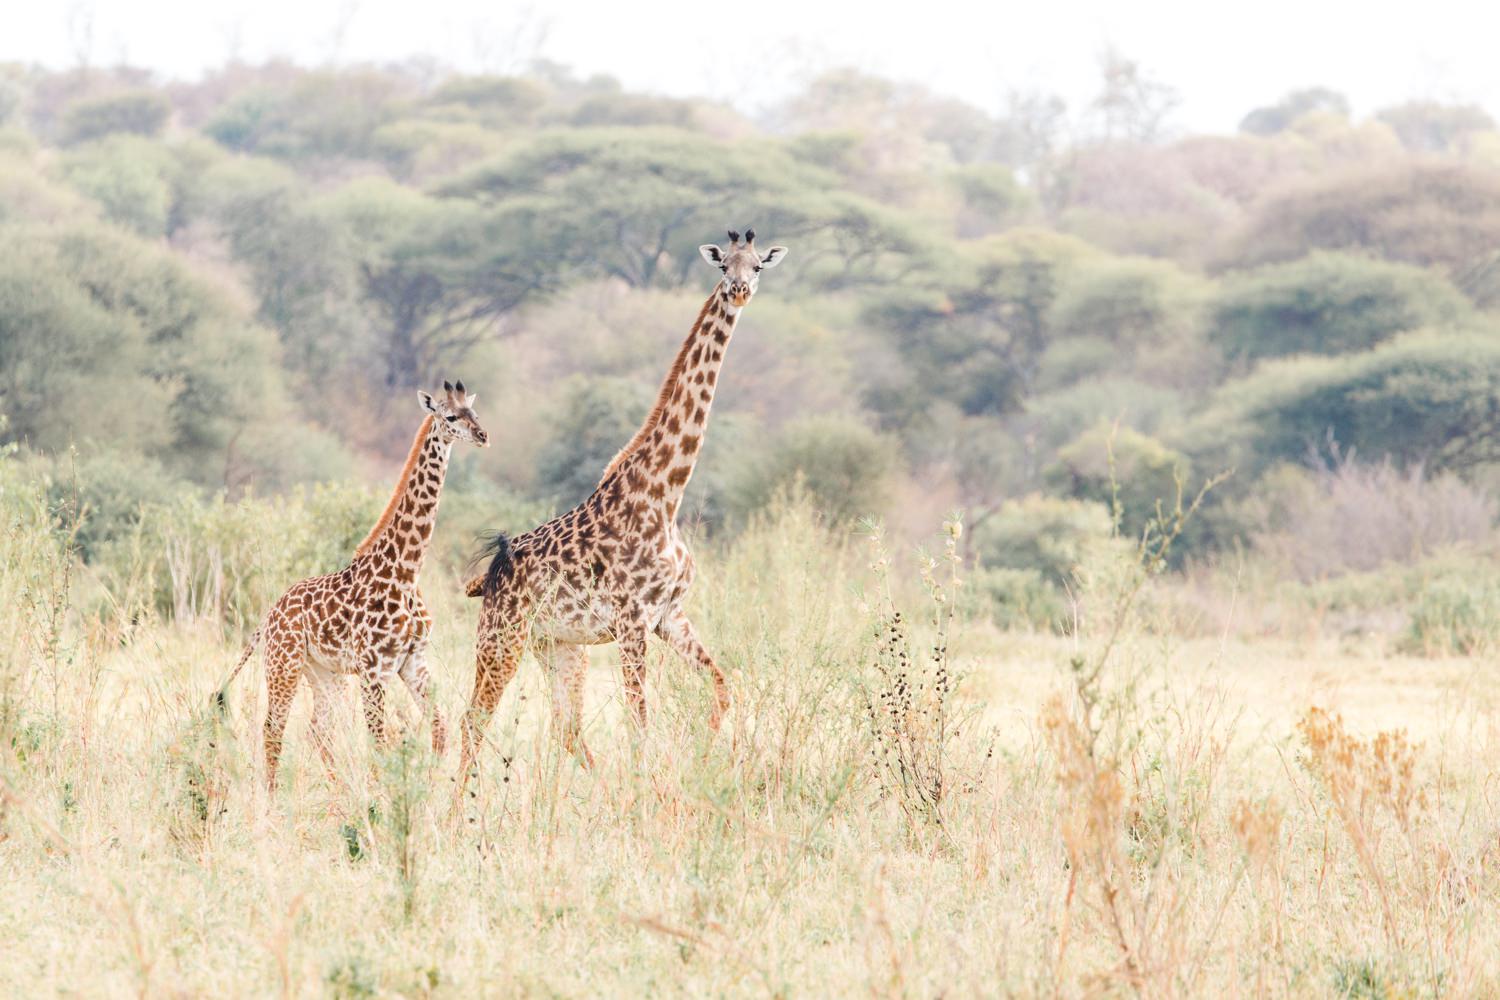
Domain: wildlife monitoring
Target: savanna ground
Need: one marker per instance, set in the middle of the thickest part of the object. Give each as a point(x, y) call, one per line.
point(918, 806)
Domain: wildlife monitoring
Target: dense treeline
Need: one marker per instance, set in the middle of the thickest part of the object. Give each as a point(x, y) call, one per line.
point(235, 285)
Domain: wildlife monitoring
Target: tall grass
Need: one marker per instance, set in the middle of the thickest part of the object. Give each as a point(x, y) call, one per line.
point(1119, 831)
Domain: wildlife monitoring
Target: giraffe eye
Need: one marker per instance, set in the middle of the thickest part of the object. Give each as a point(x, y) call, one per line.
point(451, 417)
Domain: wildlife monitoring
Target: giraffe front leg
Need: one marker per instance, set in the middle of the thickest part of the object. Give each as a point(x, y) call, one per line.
point(415, 676)
point(632, 644)
point(683, 638)
point(372, 691)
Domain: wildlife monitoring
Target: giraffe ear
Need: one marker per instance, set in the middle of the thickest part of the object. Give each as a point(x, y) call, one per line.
point(427, 401)
point(773, 257)
point(712, 254)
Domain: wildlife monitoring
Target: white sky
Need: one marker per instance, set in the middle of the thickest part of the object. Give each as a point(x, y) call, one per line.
point(1223, 58)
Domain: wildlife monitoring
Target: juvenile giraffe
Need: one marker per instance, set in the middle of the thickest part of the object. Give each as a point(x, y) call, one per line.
point(369, 618)
point(616, 567)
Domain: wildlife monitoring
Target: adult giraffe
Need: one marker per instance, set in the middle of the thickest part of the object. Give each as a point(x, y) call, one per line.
point(369, 618)
point(616, 567)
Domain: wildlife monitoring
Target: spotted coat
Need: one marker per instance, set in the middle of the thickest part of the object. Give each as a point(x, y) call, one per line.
point(369, 618)
point(616, 567)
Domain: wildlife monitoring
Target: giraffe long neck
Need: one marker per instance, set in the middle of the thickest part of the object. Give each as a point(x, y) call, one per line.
point(401, 536)
point(659, 460)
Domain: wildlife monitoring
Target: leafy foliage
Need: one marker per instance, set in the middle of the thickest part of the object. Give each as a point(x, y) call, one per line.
point(843, 467)
point(1431, 399)
point(1418, 213)
point(137, 112)
point(1329, 303)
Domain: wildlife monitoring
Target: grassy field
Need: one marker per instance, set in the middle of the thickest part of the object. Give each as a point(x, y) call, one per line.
point(1121, 812)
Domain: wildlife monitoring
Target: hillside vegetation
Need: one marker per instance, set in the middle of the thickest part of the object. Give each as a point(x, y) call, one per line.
point(233, 287)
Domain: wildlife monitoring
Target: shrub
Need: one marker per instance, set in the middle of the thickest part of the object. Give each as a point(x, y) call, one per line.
point(1018, 598)
point(1429, 399)
point(1329, 303)
point(1457, 615)
point(1106, 465)
point(1431, 127)
point(318, 115)
point(1278, 117)
point(1047, 535)
point(1127, 301)
point(137, 112)
point(597, 416)
point(1421, 213)
point(1058, 417)
point(131, 179)
point(844, 467)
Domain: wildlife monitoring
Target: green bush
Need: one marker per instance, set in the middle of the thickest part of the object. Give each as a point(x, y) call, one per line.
point(595, 418)
point(1106, 464)
point(1047, 535)
point(1419, 212)
point(131, 178)
point(1430, 399)
point(1018, 598)
point(1329, 303)
point(141, 112)
point(230, 561)
point(1127, 301)
point(318, 115)
point(844, 468)
point(1457, 615)
point(1060, 416)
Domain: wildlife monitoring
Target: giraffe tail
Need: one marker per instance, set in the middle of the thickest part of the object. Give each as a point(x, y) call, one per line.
point(221, 696)
point(502, 564)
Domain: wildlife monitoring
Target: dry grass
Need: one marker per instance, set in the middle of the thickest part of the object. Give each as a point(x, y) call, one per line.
point(1201, 816)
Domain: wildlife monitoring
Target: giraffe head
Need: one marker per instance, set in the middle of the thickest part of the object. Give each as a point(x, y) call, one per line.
point(741, 264)
point(455, 415)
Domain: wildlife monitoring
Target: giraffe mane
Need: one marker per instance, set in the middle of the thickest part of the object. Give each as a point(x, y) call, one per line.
point(663, 398)
point(401, 481)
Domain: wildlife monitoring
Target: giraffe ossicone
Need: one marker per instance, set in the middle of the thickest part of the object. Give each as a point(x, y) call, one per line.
point(368, 619)
point(616, 567)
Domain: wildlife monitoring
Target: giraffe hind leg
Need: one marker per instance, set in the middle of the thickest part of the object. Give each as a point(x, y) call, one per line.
point(284, 664)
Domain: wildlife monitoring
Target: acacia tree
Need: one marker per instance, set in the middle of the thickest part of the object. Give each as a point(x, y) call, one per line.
point(1329, 303)
point(634, 204)
point(973, 335)
point(1424, 399)
point(1422, 213)
point(438, 276)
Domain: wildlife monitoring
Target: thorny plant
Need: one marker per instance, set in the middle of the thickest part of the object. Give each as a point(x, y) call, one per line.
point(912, 719)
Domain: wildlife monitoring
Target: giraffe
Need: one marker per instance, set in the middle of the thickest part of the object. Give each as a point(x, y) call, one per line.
point(615, 567)
point(369, 618)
